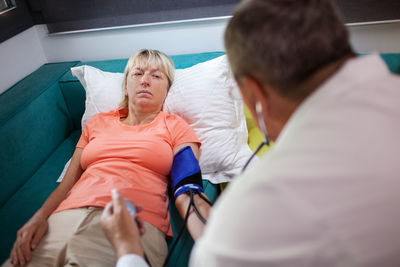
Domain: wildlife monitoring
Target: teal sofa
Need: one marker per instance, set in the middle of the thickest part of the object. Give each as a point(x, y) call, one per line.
point(40, 123)
point(39, 127)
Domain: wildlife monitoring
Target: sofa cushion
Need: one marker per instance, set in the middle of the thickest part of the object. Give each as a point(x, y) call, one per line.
point(30, 196)
point(393, 62)
point(29, 88)
point(33, 121)
point(30, 136)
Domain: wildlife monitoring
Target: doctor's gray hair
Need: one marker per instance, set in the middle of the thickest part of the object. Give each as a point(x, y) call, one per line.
point(283, 42)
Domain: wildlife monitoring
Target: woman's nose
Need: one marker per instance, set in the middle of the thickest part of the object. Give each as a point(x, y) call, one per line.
point(145, 79)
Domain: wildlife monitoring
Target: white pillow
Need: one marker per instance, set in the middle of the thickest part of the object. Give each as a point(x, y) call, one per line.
point(103, 90)
point(205, 95)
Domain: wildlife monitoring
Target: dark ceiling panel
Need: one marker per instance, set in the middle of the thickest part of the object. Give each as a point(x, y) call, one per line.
point(75, 15)
point(354, 11)
point(15, 21)
point(71, 15)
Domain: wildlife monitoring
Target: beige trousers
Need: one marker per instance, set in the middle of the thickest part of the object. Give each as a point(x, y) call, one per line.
point(75, 238)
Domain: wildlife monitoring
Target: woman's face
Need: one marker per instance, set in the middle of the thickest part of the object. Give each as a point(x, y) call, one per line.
point(146, 88)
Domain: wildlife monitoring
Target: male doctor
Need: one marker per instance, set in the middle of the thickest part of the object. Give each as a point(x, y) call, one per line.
point(328, 193)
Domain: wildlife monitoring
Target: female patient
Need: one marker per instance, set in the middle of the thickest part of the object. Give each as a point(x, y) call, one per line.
point(130, 149)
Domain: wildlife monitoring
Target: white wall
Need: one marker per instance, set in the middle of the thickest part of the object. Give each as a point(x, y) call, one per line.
point(383, 38)
point(182, 38)
point(20, 56)
point(25, 52)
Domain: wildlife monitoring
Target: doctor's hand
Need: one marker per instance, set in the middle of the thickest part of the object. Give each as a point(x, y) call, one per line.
point(121, 229)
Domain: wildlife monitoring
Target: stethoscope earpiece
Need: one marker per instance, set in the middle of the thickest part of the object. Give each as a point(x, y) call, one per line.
point(261, 122)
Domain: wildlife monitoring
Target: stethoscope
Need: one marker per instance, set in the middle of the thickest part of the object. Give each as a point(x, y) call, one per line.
point(263, 129)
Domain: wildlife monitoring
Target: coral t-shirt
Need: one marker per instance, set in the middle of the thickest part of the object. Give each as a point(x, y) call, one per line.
point(134, 159)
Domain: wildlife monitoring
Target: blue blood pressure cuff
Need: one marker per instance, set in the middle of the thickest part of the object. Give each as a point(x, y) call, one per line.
point(185, 173)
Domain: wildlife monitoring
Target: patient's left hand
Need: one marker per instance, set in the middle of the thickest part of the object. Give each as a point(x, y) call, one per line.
point(121, 229)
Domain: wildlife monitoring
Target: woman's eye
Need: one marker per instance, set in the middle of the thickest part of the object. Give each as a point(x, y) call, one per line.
point(137, 73)
point(156, 76)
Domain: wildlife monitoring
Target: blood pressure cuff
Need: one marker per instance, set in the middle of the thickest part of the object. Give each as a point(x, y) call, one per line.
point(185, 173)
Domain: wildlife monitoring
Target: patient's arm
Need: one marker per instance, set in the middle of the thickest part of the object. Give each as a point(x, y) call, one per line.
point(29, 236)
point(72, 175)
point(194, 224)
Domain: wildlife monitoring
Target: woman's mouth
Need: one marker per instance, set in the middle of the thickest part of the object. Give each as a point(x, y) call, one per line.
point(145, 92)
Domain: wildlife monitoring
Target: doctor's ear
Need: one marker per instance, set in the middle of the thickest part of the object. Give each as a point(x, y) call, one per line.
point(252, 90)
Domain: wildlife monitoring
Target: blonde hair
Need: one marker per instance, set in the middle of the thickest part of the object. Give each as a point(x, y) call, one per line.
point(145, 58)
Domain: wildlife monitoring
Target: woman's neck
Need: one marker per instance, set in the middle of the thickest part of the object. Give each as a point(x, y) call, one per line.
point(138, 117)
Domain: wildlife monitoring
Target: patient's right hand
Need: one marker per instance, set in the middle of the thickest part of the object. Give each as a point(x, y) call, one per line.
point(28, 237)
